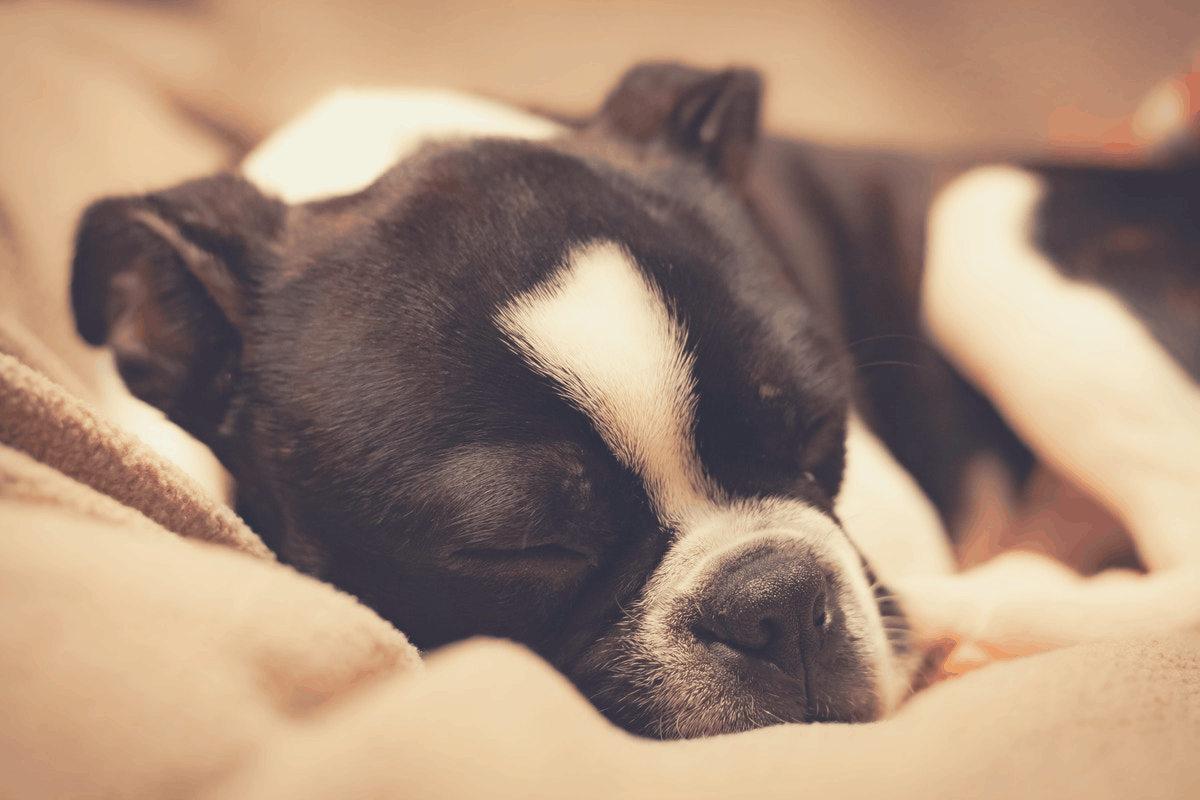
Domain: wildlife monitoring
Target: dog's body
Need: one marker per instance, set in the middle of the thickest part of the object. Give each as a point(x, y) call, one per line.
point(588, 390)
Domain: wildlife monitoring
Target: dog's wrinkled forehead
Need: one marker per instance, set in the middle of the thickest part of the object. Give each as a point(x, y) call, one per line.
point(569, 300)
point(540, 267)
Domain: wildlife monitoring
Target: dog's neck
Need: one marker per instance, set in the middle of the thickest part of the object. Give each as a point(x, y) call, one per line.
point(352, 136)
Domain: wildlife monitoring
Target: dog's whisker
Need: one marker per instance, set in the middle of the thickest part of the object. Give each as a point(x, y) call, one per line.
point(891, 363)
point(905, 337)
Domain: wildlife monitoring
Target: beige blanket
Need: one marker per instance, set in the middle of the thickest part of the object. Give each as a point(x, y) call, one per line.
point(151, 647)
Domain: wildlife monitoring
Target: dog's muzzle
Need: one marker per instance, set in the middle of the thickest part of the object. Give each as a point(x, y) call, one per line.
point(758, 615)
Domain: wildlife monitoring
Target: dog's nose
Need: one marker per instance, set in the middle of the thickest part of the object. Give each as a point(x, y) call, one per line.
point(772, 607)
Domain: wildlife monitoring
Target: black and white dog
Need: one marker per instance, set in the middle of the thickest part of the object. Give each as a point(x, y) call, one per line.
point(589, 391)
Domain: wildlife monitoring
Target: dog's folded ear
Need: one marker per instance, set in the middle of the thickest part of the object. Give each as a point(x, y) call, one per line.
point(166, 280)
point(710, 115)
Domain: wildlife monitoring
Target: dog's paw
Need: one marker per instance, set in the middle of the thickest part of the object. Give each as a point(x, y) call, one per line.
point(1022, 603)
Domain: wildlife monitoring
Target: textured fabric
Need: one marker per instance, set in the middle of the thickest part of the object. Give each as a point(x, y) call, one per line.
point(38, 417)
point(148, 640)
point(142, 665)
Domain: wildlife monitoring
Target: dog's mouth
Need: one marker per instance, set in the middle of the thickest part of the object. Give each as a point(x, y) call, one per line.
point(771, 629)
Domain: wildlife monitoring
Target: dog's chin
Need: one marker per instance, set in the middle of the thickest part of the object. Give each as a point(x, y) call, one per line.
point(698, 689)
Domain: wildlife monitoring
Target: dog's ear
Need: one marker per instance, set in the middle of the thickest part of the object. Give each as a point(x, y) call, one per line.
point(710, 115)
point(167, 280)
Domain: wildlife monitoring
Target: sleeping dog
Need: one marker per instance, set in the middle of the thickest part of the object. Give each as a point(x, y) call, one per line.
point(585, 384)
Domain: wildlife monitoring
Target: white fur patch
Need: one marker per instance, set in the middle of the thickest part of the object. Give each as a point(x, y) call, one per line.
point(1092, 392)
point(1071, 369)
point(885, 512)
point(352, 136)
point(603, 333)
point(165, 437)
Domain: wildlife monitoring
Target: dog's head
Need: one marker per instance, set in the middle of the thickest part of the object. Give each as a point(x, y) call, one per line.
point(546, 390)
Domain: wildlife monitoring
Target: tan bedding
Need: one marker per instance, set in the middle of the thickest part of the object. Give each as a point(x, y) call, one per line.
point(151, 647)
point(175, 658)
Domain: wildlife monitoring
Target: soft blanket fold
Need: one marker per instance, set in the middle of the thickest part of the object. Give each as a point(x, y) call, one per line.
point(60, 431)
point(149, 643)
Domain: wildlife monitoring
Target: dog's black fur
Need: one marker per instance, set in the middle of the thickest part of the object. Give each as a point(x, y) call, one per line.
point(342, 358)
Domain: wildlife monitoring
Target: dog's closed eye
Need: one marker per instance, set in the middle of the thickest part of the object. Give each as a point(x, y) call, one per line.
point(546, 564)
point(549, 554)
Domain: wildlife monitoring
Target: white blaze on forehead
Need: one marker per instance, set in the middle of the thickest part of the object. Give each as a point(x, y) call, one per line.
point(352, 136)
point(604, 334)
